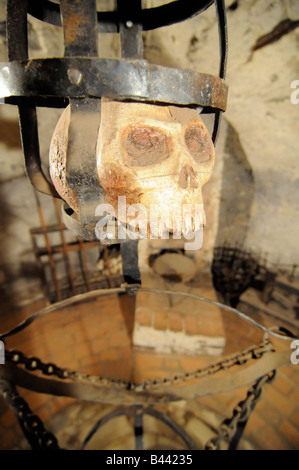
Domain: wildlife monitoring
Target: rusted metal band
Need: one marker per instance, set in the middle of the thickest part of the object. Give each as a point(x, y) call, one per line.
point(117, 79)
point(80, 28)
point(239, 377)
point(81, 391)
point(150, 18)
point(17, 49)
point(100, 393)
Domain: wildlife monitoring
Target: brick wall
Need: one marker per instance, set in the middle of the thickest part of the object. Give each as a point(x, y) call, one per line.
point(96, 337)
point(177, 324)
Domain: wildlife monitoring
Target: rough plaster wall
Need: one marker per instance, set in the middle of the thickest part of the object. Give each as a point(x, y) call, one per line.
point(252, 198)
point(264, 122)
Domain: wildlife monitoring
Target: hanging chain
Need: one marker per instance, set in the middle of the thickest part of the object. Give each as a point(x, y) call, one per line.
point(35, 364)
point(31, 424)
point(40, 438)
point(254, 352)
point(241, 413)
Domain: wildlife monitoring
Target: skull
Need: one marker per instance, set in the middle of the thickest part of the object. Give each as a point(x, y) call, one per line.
point(57, 159)
point(157, 156)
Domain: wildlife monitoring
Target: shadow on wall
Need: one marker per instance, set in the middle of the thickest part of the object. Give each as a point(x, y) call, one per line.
point(19, 271)
point(5, 221)
point(236, 194)
point(10, 134)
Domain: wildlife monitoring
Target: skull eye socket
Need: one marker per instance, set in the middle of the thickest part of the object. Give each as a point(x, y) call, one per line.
point(145, 146)
point(199, 143)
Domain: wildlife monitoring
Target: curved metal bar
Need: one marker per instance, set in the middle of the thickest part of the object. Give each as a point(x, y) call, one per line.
point(17, 48)
point(63, 303)
point(122, 290)
point(223, 39)
point(223, 45)
point(113, 414)
point(131, 411)
point(151, 18)
point(174, 426)
point(30, 143)
point(100, 392)
point(118, 79)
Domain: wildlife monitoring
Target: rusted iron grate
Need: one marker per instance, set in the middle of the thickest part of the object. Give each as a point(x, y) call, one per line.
point(68, 264)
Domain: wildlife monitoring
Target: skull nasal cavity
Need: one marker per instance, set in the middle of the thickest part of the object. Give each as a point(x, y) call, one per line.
point(187, 177)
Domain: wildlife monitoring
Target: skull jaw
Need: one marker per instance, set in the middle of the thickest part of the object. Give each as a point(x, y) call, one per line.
point(158, 211)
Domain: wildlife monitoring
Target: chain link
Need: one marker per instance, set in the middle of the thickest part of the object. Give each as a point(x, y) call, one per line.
point(236, 359)
point(32, 425)
point(45, 440)
point(241, 413)
point(35, 364)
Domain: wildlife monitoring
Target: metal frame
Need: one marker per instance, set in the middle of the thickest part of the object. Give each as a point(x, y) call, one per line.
point(81, 79)
point(138, 412)
point(108, 22)
point(122, 79)
point(262, 359)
